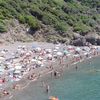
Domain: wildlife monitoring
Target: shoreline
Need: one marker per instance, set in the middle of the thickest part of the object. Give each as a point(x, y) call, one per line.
point(49, 72)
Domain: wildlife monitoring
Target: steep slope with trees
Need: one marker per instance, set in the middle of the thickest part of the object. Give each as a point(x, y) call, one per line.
point(52, 20)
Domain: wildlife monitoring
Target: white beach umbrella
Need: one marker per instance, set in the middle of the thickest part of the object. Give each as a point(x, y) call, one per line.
point(40, 58)
point(24, 46)
point(56, 48)
point(58, 45)
point(2, 58)
point(76, 55)
point(38, 49)
point(22, 51)
point(1, 69)
point(69, 54)
point(33, 60)
point(19, 50)
point(18, 67)
point(49, 56)
point(19, 46)
point(11, 69)
point(17, 71)
point(27, 54)
point(59, 53)
point(17, 79)
point(39, 62)
point(48, 50)
point(85, 53)
point(3, 52)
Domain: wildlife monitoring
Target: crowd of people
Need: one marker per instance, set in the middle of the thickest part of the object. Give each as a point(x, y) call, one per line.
point(24, 62)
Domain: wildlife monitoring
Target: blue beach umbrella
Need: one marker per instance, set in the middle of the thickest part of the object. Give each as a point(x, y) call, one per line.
point(1, 70)
point(34, 46)
point(66, 52)
point(98, 49)
point(78, 49)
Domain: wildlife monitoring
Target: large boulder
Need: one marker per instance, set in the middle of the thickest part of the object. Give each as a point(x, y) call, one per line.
point(79, 42)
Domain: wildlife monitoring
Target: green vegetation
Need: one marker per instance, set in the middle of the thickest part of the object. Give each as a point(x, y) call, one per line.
point(80, 15)
point(81, 28)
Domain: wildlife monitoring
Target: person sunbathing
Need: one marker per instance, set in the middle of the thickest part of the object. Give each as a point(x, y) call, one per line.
point(5, 92)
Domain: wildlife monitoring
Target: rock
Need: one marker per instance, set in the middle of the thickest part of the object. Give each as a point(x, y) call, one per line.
point(98, 41)
point(91, 40)
point(79, 42)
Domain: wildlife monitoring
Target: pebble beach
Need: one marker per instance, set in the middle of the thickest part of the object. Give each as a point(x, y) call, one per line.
point(23, 63)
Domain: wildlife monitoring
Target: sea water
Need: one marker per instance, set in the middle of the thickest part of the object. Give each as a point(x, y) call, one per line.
point(80, 84)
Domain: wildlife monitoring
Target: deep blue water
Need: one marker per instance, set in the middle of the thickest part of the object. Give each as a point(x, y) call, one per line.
point(83, 84)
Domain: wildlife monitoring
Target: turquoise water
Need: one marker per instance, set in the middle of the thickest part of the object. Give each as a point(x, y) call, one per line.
point(83, 84)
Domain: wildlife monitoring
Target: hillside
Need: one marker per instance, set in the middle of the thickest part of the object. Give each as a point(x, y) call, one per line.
point(50, 20)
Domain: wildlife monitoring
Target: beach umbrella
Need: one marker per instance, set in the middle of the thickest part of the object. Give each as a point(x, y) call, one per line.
point(39, 62)
point(18, 67)
point(40, 58)
point(27, 54)
point(1, 70)
point(2, 58)
point(48, 50)
point(34, 46)
point(65, 52)
point(17, 79)
point(17, 72)
point(85, 53)
point(38, 49)
point(49, 56)
point(98, 49)
point(23, 46)
point(76, 55)
point(3, 52)
point(19, 46)
point(59, 54)
point(58, 45)
point(22, 51)
point(33, 60)
point(55, 50)
point(78, 49)
point(11, 69)
point(86, 48)
point(69, 54)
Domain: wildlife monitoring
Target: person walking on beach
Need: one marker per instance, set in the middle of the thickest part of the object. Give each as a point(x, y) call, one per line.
point(56, 74)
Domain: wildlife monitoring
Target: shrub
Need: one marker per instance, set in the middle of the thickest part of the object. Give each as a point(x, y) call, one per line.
point(2, 28)
point(49, 19)
point(33, 22)
point(81, 28)
point(61, 27)
point(21, 19)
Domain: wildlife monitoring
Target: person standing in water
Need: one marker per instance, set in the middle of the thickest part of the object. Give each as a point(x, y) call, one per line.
point(47, 88)
point(76, 67)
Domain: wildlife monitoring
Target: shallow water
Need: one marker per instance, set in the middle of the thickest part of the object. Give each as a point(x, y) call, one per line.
point(83, 84)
